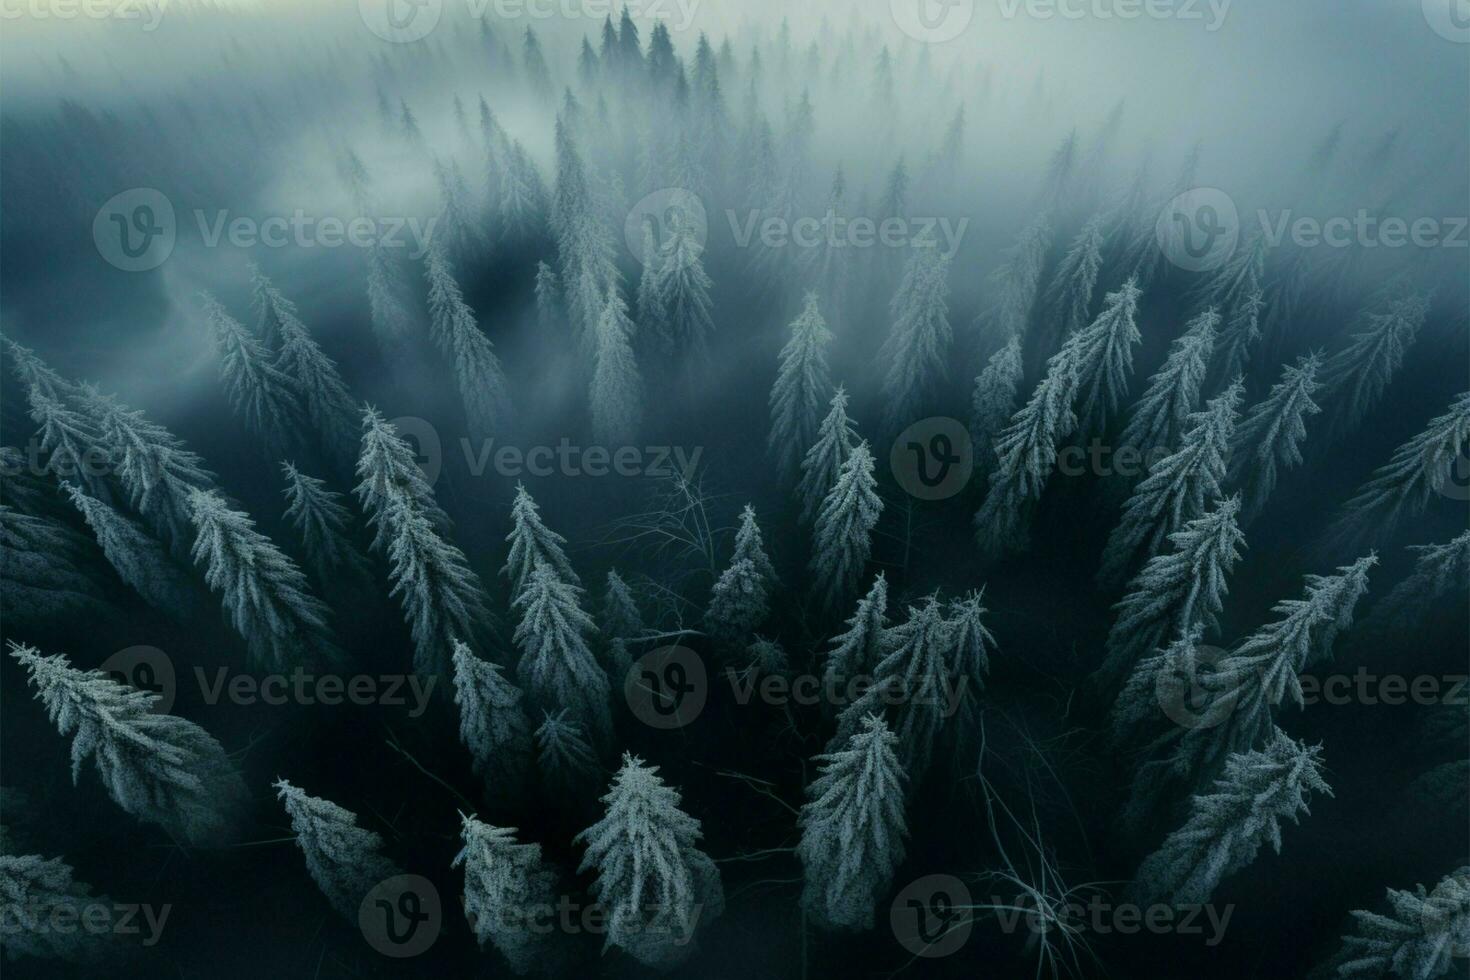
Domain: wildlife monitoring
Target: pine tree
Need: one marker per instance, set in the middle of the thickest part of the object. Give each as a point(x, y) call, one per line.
point(324, 525)
point(1440, 570)
point(40, 893)
point(750, 546)
point(482, 385)
point(322, 392)
point(1070, 295)
point(1240, 332)
point(653, 319)
point(137, 557)
point(620, 623)
point(537, 74)
point(392, 480)
point(441, 596)
point(685, 289)
point(971, 643)
point(994, 402)
point(1104, 358)
point(492, 724)
point(505, 885)
point(1418, 469)
point(548, 300)
point(1176, 490)
point(823, 462)
point(917, 349)
point(1018, 280)
point(264, 594)
point(616, 394)
point(1270, 436)
point(1173, 393)
point(44, 569)
point(826, 266)
point(1353, 379)
point(567, 764)
point(33, 372)
point(262, 394)
point(344, 860)
point(532, 541)
point(556, 664)
point(859, 650)
point(1176, 591)
point(1026, 454)
point(1420, 936)
point(391, 319)
point(651, 873)
point(852, 829)
point(843, 539)
point(1226, 828)
point(913, 679)
point(522, 196)
point(157, 767)
point(457, 225)
point(803, 385)
point(72, 443)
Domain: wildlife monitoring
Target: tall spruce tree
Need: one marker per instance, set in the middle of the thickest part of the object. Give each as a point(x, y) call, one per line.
point(843, 540)
point(803, 385)
point(1270, 437)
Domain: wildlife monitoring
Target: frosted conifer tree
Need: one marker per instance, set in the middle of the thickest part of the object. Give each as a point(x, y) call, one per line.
point(1419, 935)
point(137, 557)
point(1070, 295)
point(1026, 454)
point(739, 602)
point(38, 894)
point(44, 568)
point(441, 596)
point(616, 396)
point(1018, 280)
point(913, 679)
point(1269, 439)
point(916, 353)
point(685, 289)
point(324, 524)
point(72, 443)
point(532, 541)
point(802, 387)
point(843, 539)
point(391, 319)
point(750, 545)
point(1226, 827)
point(994, 402)
point(522, 195)
point(1176, 490)
point(621, 622)
point(653, 319)
point(971, 643)
point(157, 767)
point(852, 828)
point(1440, 570)
point(1353, 379)
point(826, 266)
point(33, 372)
point(1104, 359)
point(556, 665)
point(1238, 335)
point(1418, 469)
point(823, 462)
point(1176, 591)
point(1234, 282)
point(263, 395)
point(1173, 392)
point(344, 860)
point(548, 299)
point(565, 761)
point(322, 392)
point(456, 224)
point(264, 594)
point(859, 649)
point(652, 876)
point(392, 482)
point(503, 883)
point(482, 385)
point(492, 724)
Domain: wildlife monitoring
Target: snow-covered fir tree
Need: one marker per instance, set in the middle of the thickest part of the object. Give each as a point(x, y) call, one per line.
point(139, 559)
point(1354, 379)
point(159, 768)
point(1269, 438)
point(1070, 295)
point(548, 300)
point(620, 623)
point(1240, 331)
point(738, 604)
point(749, 545)
point(653, 319)
point(858, 650)
point(843, 539)
point(823, 462)
point(482, 385)
point(324, 525)
point(41, 896)
point(1162, 412)
point(1177, 489)
point(265, 397)
point(556, 664)
point(441, 596)
point(45, 569)
point(685, 289)
point(915, 355)
point(565, 761)
point(532, 541)
point(505, 884)
point(392, 321)
point(997, 389)
point(852, 828)
point(616, 395)
point(72, 443)
point(391, 481)
point(345, 860)
point(803, 385)
point(1440, 570)
point(1104, 360)
point(492, 724)
point(1259, 790)
point(1419, 934)
point(1018, 280)
point(657, 884)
